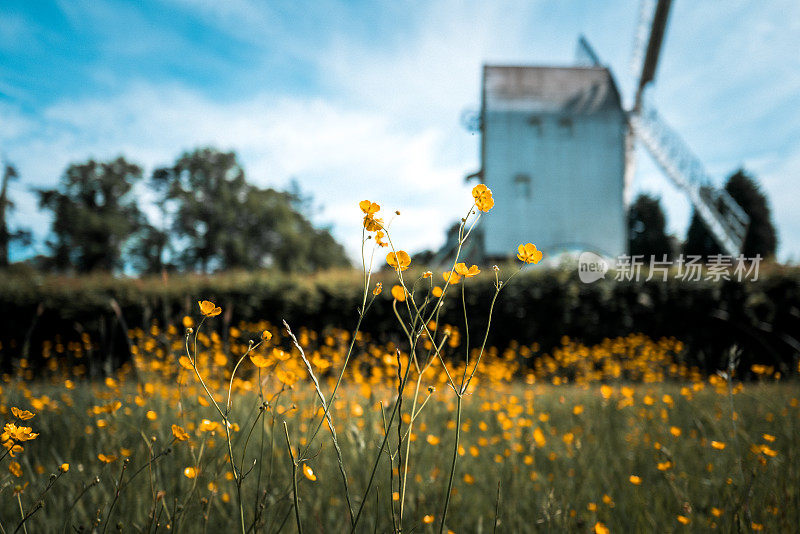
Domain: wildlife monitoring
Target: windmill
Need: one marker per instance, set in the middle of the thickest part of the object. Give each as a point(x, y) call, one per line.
point(558, 151)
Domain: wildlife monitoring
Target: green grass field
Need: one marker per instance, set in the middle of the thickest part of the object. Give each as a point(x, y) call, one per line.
point(533, 458)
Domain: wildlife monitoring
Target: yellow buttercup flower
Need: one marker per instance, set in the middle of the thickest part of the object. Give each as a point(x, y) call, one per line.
point(13, 448)
point(179, 433)
point(266, 335)
point(15, 469)
point(285, 377)
point(400, 260)
point(63, 467)
point(718, 445)
point(279, 354)
point(22, 415)
point(208, 426)
point(768, 452)
point(635, 480)
point(378, 289)
point(538, 437)
point(372, 224)
point(209, 309)
point(369, 207)
point(107, 458)
point(309, 473)
point(399, 293)
point(17, 433)
point(483, 197)
point(428, 519)
point(461, 269)
point(528, 253)
point(451, 277)
point(259, 360)
point(190, 472)
point(600, 528)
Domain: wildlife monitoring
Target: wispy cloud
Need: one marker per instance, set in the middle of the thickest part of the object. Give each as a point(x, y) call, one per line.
point(340, 155)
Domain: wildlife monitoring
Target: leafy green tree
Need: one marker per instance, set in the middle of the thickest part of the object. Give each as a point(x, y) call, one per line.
point(94, 215)
point(761, 237)
point(647, 234)
point(219, 221)
point(206, 189)
point(699, 241)
point(6, 205)
point(148, 252)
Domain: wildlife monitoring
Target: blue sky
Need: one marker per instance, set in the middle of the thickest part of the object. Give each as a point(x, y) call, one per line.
point(362, 99)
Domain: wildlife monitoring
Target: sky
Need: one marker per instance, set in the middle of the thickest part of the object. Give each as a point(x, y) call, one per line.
point(357, 99)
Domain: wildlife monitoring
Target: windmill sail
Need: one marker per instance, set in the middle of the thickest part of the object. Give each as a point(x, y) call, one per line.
point(724, 218)
point(722, 215)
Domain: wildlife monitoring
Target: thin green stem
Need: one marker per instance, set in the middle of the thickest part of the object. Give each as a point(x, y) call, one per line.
point(294, 480)
point(452, 465)
point(380, 452)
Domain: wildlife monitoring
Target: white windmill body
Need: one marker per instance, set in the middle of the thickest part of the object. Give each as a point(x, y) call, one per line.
point(553, 149)
point(557, 150)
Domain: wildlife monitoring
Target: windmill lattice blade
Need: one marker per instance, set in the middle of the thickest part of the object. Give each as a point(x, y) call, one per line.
point(724, 218)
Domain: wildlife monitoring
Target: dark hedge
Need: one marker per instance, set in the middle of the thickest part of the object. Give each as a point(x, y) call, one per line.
point(761, 317)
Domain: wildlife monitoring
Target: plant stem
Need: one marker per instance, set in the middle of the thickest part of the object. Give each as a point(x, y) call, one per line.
point(452, 465)
point(294, 480)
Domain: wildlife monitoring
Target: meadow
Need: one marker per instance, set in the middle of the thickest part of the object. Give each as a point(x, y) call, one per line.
point(280, 428)
point(617, 434)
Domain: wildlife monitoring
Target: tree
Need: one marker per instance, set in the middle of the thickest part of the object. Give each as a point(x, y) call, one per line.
point(206, 188)
point(148, 251)
point(761, 237)
point(647, 234)
point(227, 223)
point(6, 235)
point(699, 241)
point(94, 214)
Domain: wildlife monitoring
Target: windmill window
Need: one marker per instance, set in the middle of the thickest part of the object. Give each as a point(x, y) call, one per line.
point(565, 125)
point(522, 186)
point(536, 123)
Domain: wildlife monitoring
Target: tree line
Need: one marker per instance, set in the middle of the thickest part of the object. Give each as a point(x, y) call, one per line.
point(204, 216)
point(647, 225)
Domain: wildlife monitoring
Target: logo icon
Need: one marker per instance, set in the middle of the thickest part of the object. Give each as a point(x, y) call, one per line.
point(591, 267)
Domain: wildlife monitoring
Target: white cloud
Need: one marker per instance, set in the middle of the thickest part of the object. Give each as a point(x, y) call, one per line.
point(339, 155)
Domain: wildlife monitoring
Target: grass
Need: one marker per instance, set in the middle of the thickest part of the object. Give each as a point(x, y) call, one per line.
point(579, 477)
